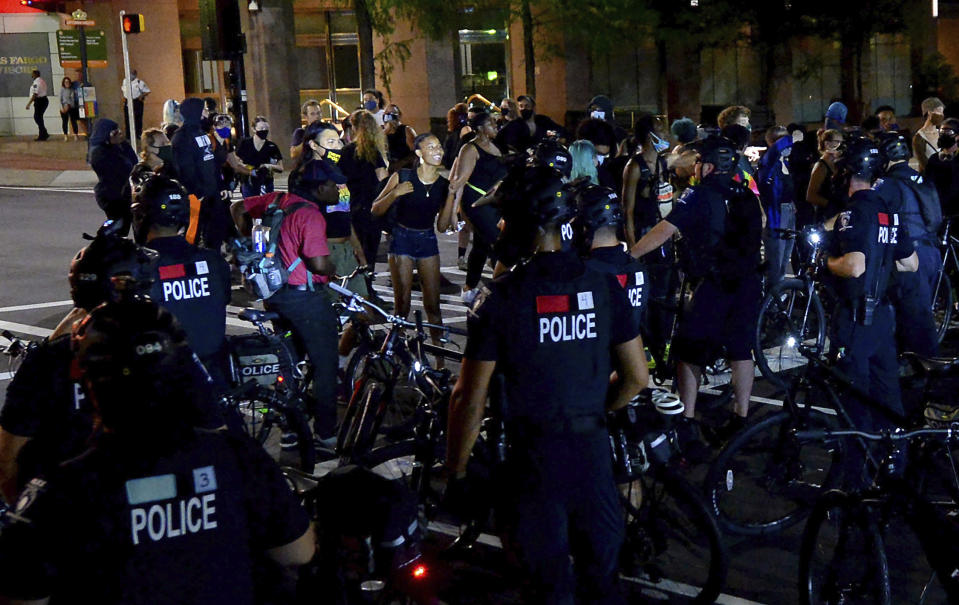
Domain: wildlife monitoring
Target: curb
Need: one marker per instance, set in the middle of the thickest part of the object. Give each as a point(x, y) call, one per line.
point(12, 177)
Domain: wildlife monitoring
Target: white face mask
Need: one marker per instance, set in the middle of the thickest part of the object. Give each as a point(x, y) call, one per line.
point(599, 115)
point(601, 158)
point(797, 136)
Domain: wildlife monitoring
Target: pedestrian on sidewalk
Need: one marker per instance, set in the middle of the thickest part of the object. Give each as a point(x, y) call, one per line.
point(113, 159)
point(69, 108)
point(39, 100)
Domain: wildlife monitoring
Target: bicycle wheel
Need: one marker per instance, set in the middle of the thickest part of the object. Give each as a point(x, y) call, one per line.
point(357, 433)
point(942, 305)
point(767, 479)
point(789, 317)
point(265, 416)
point(842, 559)
point(672, 542)
point(399, 414)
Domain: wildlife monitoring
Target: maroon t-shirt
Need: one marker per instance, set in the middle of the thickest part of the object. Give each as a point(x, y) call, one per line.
point(303, 233)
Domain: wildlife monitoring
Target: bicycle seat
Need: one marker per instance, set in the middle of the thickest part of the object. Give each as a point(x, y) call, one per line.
point(932, 365)
point(301, 482)
point(254, 316)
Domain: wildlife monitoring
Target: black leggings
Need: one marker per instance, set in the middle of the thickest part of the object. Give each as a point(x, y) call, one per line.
point(72, 116)
point(485, 232)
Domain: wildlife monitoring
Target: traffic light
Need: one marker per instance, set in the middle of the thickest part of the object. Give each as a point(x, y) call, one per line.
point(49, 6)
point(133, 24)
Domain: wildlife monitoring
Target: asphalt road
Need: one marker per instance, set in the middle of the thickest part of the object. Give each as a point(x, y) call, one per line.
point(41, 230)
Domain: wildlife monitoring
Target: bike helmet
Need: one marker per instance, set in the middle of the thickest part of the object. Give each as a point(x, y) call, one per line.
point(95, 269)
point(894, 147)
point(720, 152)
point(861, 159)
point(134, 358)
point(598, 207)
point(161, 201)
point(553, 154)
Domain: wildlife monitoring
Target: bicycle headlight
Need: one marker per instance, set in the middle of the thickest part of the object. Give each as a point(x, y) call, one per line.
point(814, 238)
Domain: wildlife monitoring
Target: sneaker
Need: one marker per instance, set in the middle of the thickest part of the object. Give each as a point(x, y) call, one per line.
point(289, 441)
point(691, 444)
point(461, 263)
point(325, 443)
point(720, 435)
point(469, 296)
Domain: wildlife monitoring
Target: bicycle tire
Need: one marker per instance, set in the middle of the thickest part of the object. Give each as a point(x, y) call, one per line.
point(766, 479)
point(779, 331)
point(942, 302)
point(855, 569)
point(671, 532)
point(399, 417)
point(357, 433)
point(265, 415)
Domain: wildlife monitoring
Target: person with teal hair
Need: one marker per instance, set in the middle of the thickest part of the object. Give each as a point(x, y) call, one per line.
point(584, 161)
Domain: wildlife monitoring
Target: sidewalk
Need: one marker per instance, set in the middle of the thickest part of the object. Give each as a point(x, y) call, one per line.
point(51, 163)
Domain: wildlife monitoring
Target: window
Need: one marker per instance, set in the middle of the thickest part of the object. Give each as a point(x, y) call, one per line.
point(483, 57)
point(816, 79)
point(323, 74)
point(891, 74)
point(730, 76)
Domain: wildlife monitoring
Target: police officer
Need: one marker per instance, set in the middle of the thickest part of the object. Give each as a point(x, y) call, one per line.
point(872, 242)
point(917, 203)
point(192, 283)
point(156, 511)
point(721, 224)
point(549, 326)
point(47, 417)
point(600, 219)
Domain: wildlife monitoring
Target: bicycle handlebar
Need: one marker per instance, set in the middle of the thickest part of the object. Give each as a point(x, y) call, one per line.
point(877, 436)
point(389, 317)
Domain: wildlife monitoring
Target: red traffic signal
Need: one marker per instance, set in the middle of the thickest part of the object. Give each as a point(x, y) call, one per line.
point(132, 24)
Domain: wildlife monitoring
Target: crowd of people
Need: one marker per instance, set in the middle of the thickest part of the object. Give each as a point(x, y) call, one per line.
point(582, 227)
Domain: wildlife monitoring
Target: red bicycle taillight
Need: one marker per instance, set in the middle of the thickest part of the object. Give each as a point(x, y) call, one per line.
point(419, 572)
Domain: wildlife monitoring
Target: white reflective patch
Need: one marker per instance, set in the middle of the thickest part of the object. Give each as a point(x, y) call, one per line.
point(202, 268)
point(585, 300)
point(151, 489)
point(640, 278)
point(204, 479)
point(895, 219)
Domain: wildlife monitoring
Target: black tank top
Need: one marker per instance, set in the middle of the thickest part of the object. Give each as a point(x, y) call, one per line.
point(396, 142)
point(486, 173)
point(418, 209)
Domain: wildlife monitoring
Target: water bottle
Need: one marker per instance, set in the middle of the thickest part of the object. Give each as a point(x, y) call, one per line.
point(261, 234)
point(274, 273)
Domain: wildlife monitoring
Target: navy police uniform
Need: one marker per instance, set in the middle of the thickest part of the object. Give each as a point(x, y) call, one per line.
point(114, 527)
point(725, 305)
point(550, 324)
point(917, 203)
point(194, 285)
point(863, 320)
point(630, 274)
point(46, 403)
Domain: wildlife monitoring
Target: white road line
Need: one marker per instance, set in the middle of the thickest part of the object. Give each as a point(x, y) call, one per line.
point(5, 376)
point(50, 189)
point(25, 329)
point(57, 303)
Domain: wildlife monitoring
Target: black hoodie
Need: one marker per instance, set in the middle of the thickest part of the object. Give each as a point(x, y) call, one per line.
point(193, 152)
point(112, 163)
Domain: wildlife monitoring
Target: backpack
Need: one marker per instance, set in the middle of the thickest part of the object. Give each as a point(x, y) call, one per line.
point(737, 250)
point(263, 272)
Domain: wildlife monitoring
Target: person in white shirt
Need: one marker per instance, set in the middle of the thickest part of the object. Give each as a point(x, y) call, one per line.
point(140, 92)
point(39, 100)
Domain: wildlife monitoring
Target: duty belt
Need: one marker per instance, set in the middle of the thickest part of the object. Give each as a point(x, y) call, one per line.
point(555, 426)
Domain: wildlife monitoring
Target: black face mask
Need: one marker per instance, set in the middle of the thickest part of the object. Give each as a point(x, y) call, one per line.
point(165, 153)
point(946, 141)
point(262, 134)
point(505, 112)
point(526, 113)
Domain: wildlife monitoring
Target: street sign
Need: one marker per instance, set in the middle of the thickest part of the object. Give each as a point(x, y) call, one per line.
point(68, 41)
point(84, 22)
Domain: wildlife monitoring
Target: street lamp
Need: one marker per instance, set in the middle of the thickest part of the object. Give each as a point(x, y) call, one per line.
point(253, 6)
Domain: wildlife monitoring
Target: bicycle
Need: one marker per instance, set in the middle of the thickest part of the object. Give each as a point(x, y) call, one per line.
point(852, 539)
point(792, 312)
point(15, 350)
point(267, 388)
point(769, 462)
point(375, 407)
point(669, 528)
point(943, 297)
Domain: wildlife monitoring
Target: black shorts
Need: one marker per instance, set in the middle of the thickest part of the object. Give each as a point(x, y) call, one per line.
point(720, 318)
